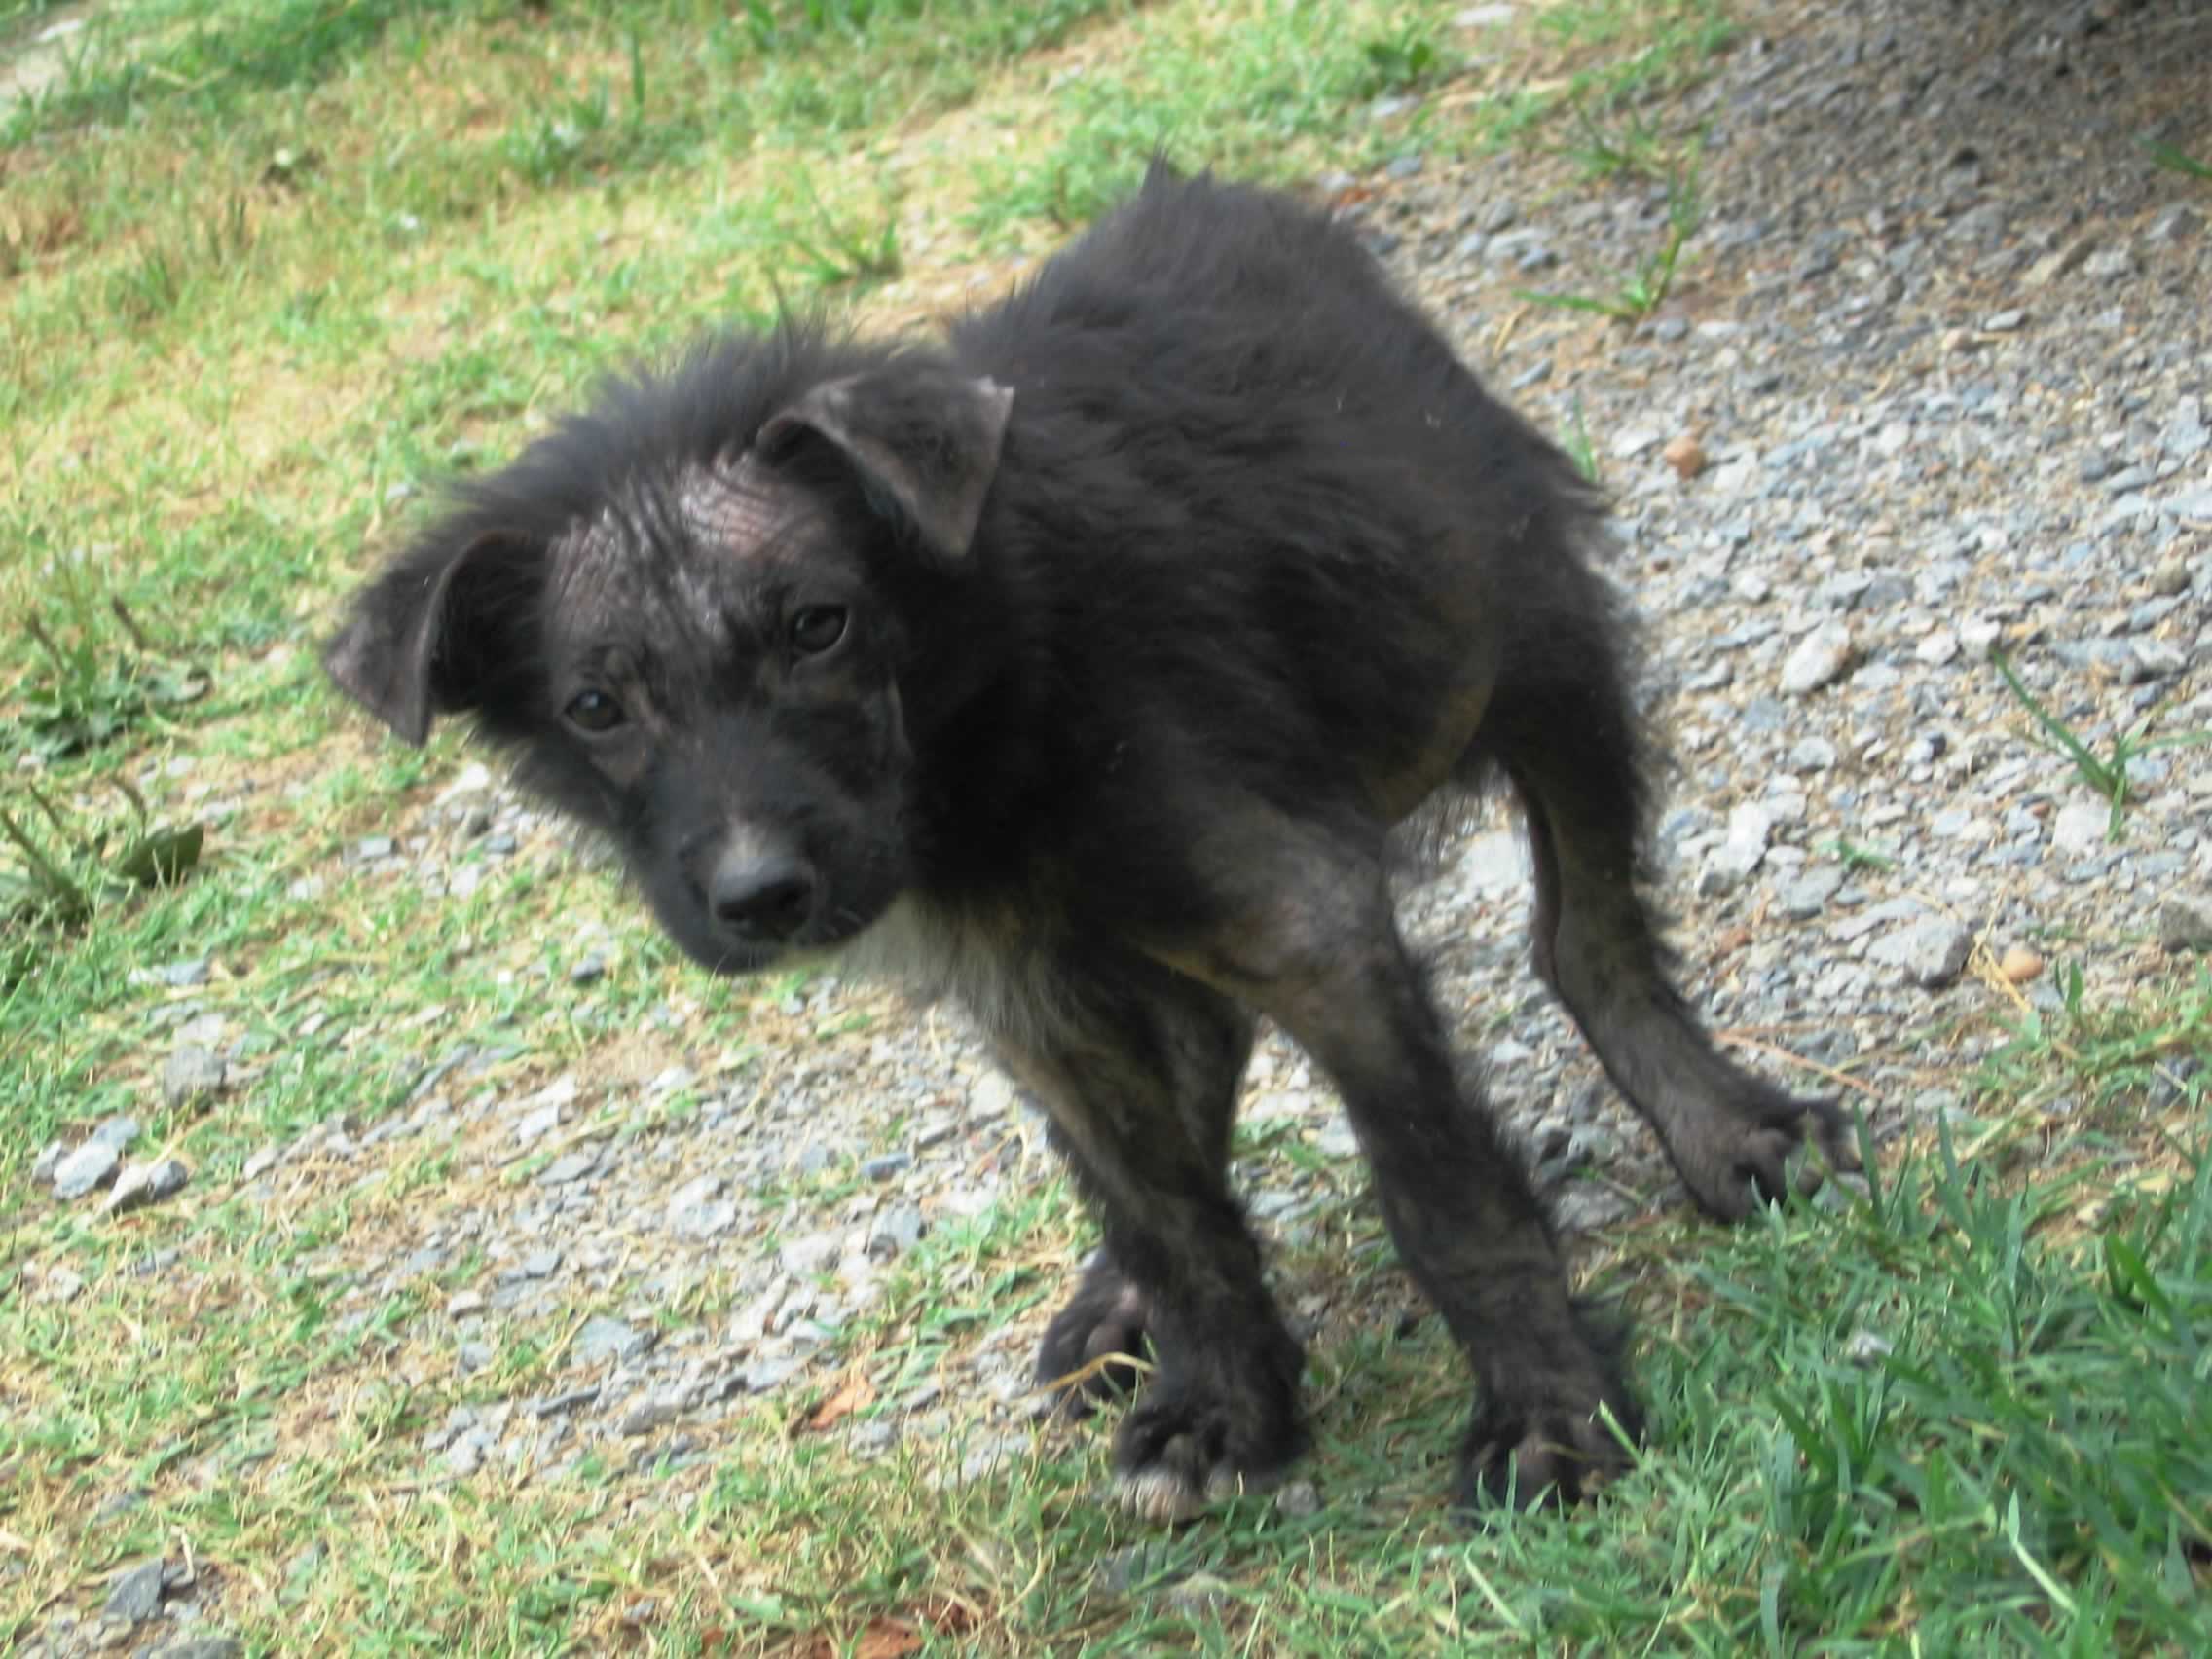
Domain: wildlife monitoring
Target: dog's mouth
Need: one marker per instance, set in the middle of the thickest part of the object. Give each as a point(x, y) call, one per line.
point(822, 937)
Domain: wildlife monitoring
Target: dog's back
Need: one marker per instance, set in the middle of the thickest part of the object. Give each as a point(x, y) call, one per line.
point(1240, 462)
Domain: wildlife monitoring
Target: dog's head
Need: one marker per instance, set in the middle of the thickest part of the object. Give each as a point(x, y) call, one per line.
point(689, 611)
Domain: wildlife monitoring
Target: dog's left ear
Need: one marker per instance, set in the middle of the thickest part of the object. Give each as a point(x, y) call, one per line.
point(437, 631)
point(927, 439)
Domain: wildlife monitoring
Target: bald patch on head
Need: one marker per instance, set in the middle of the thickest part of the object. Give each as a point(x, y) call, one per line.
point(687, 553)
point(742, 509)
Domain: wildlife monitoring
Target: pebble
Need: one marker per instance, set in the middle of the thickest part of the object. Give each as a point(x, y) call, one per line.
point(1298, 1498)
point(2185, 922)
point(2019, 965)
point(1201, 1593)
point(1808, 895)
point(87, 1167)
point(1818, 659)
point(1932, 951)
point(1685, 454)
point(2080, 826)
point(136, 1595)
point(804, 1257)
point(896, 1230)
point(201, 1647)
point(603, 1339)
point(189, 1073)
point(143, 1184)
point(1866, 1349)
point(1812, 754)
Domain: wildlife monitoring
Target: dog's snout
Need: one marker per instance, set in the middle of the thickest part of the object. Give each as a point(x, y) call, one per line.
point(762, 896)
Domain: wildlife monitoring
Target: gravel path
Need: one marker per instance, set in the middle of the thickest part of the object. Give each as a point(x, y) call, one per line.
point(1934, 378)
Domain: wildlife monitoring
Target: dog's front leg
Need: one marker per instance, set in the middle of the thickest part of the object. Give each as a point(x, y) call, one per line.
point(1137, 1067)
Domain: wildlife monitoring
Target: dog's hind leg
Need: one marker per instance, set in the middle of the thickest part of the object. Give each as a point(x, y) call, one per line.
point(1310, 940)
point(1138, 1068)
point(1561, 725)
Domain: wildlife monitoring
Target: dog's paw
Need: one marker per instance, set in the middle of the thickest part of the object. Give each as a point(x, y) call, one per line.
point(1736, 1157)
point(1087, 1348)
point(1532, 1450)
point(1181, 1450)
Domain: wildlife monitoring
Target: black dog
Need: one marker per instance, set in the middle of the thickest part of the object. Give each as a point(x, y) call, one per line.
point(1082, 667)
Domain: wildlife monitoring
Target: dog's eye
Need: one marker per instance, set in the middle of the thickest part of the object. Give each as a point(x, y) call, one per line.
point(594, 710)
point(814, 628)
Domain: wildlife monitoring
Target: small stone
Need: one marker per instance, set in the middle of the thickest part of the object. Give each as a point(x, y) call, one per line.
point(1749, 824)
point(463, 1304)
point(2052, 266)
point(1298, 1498)
point(2019, 963)
point(804, 1257)
point(1135, 1567)
point(466, 1455)
point(1812, 754)
point(589, 968)
point(1585, 1206)
point(1820, 659)
point(569, 1167)
point(1932, 951)
point(896, 1230)
point(190, 1073)
point(88, 1166)
point(204, 1647)
point(1866, 1349)
point(2185, 922)
point(568, 1400)
point(1938, 647)
point(2110, 263)
point(119, 1132)
point(603, 1337)
point(179, 975)
point(135, 1596)
point(2081, 826)
point(2004, 322)
point(2155, 659)
point(1808, 896)
point(872, 1438)
point(145, 1184)
point(472, 1357)
point(2170, 579)
point(884, 1166)
point(1199, 1594)
point(372, 848)
point(1685, 454)
point(2176, 225)
point(647, 1415)
point(768, 1374)
point(49, 1159)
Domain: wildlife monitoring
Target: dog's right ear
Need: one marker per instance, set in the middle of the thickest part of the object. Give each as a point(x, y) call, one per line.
point(429, 635)
point(924, 439)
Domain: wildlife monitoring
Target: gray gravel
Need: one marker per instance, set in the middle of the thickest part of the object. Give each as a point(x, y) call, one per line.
point(1934, 380)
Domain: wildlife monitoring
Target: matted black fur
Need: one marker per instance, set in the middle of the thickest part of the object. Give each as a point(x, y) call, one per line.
point(1082, 666)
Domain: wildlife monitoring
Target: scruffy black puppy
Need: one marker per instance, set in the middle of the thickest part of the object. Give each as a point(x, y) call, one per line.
point(1081, 667)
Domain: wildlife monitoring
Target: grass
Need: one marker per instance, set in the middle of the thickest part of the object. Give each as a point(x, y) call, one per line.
point(267, 269)
point(2106, 774)
point(1644, 289)
point(2175, 160)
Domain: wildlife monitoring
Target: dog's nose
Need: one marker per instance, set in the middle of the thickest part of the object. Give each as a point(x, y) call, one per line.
point(763, 898)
